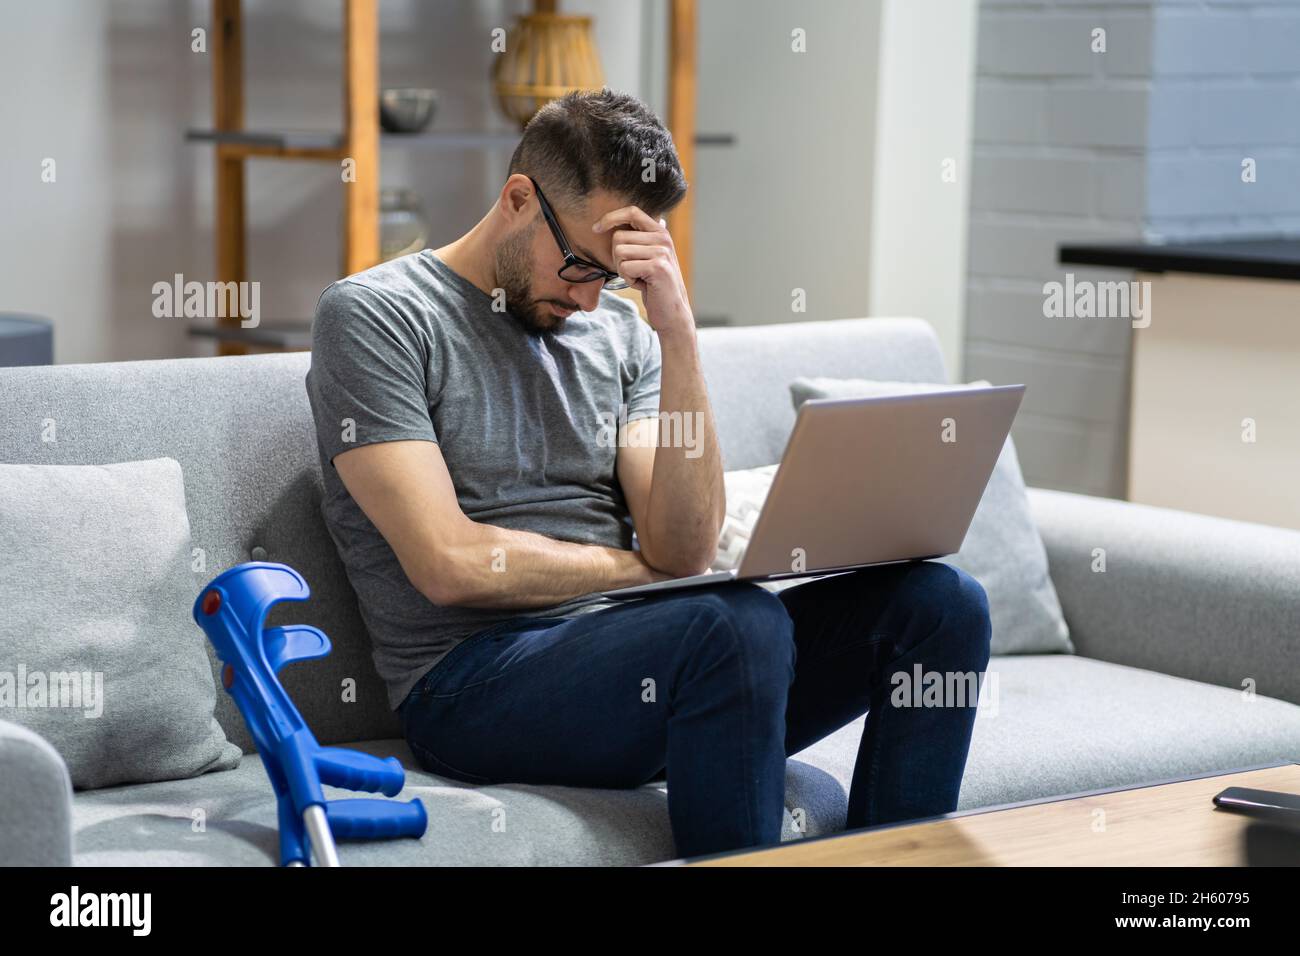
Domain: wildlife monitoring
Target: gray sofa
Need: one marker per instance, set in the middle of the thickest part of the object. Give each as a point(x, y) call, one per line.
point(1189, 609)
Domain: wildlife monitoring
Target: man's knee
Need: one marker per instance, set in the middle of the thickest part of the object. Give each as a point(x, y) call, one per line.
point(748, 610)
point(961, 606)
point(747, 621)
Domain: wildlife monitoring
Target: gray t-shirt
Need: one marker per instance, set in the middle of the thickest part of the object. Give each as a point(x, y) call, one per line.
point(412, 350)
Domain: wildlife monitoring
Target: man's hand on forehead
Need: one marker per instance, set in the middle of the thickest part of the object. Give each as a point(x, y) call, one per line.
point(631, 215)
point(645, 256)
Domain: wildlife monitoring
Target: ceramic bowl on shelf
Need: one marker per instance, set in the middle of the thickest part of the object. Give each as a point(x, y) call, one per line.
point(406, 109)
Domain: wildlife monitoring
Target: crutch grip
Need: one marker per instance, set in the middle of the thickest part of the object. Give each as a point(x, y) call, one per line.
point(363, 819)
point(354, 770)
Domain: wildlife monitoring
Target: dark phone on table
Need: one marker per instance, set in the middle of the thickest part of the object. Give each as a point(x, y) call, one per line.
point(1265, 804)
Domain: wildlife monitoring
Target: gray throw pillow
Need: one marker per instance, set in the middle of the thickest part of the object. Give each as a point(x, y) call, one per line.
point(1003, 549)
point(98, 651)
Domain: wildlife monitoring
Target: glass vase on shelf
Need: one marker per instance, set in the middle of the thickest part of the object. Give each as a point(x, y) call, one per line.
point(403, 228)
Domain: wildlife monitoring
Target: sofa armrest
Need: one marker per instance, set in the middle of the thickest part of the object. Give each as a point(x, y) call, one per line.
point(1186, 594)
point(35, 800)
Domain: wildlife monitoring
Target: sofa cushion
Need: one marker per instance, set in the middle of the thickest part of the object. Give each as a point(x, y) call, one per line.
point(98, 654)
point(1002, 550)
point(241, 428)
point(229, 819)
point(1055, 724)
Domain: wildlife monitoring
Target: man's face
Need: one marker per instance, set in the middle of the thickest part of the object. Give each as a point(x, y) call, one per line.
point(528, 261)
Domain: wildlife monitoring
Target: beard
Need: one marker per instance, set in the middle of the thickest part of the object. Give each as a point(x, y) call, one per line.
point(514, 275)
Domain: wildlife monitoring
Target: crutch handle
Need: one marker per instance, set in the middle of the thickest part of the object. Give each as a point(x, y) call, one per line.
point(363, 819)
point(354, 770)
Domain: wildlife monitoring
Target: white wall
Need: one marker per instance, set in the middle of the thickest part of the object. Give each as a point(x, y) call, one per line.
point(919, 221)
point(834, 183)
point(786, 207)
point(98, 89)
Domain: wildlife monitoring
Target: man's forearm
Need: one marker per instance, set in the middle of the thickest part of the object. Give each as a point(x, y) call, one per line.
point(496, 567)
point(687, 497)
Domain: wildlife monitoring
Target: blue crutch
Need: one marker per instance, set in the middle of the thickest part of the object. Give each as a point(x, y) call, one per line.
point(231, 610)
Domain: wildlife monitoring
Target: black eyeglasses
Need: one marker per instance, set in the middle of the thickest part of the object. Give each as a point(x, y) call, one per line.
point(575, 268)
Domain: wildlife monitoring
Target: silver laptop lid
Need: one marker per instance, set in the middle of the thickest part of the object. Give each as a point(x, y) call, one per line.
point(891, 478)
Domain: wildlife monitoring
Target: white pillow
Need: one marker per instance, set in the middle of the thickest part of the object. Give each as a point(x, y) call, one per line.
point(746, 492)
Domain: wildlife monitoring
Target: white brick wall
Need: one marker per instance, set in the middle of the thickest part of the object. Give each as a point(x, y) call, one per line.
point(1143, 141)
point(1225, 86)
point(1060, 138)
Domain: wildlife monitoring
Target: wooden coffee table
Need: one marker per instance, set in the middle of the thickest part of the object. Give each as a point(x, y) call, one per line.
point(1171, 823)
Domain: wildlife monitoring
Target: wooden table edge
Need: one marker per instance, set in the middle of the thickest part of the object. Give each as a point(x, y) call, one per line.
point(975, 811)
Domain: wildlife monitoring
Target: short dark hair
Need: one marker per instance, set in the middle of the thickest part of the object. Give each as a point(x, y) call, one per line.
point(588, 140)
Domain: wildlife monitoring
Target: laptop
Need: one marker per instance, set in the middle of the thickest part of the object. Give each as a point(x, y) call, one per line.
point(867, 481)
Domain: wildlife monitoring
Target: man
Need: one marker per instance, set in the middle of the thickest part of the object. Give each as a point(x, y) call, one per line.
point(462, 398)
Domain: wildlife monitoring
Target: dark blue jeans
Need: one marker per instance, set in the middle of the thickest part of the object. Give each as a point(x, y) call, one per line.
point(715, 687)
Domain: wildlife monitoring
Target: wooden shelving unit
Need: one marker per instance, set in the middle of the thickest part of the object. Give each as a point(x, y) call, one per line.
point(682, 73)
point(234, 145)
point(360, 141)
